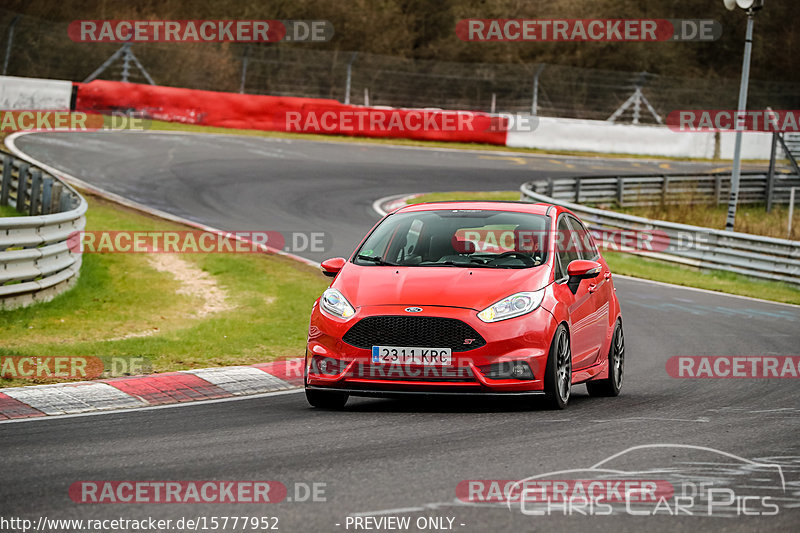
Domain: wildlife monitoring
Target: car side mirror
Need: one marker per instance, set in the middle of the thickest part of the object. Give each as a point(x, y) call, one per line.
point(331, 267)
point(581, 269)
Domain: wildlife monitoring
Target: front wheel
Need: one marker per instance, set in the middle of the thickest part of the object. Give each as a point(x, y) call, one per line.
point(323, 399)
point(558, 374)
point(616, 367)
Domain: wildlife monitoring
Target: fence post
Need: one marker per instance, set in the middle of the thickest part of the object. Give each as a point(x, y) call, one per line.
point(36, 189)
point(535, 103)
point(577, 190)
point(5, 188)
point(664, 189)
point(771, 173)
point(791, 212)
point(47, 195)
point(54, 201)
point(550, 187)
point(718, 188)
point(66, 202)
point(349, 78)
point(22, 186)
point(244, 70)
point(620, 191)
point(10, 42)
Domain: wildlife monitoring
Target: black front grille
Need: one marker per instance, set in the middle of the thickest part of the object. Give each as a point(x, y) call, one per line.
point(423, 331)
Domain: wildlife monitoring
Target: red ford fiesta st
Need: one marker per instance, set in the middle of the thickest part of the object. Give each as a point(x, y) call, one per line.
point(488, 298)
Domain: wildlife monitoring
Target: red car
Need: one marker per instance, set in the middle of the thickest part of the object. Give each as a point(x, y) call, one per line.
point(487, 298)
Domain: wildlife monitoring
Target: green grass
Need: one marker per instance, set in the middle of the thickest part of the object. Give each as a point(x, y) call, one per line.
point(8, 211)
point(749, 218)
point(653, 269)
point(497, 196)
point(119, 294)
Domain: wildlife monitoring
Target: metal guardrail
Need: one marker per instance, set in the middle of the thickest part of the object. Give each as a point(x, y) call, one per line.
point(36, 262)
point(634, 191)
point(705, 248)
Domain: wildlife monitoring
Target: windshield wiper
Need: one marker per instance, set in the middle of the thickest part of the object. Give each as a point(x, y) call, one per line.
point(456, 264)
point(377, 260)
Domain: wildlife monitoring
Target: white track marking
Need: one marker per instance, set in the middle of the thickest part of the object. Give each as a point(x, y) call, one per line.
point(240, 380)
point(153, 407)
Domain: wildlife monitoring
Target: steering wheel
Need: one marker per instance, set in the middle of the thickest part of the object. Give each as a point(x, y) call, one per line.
point(516, 255)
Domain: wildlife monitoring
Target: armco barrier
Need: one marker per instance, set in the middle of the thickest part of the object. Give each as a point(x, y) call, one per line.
point(247, 111)
point(35, 262)
point(704, 248)
point(630, 191)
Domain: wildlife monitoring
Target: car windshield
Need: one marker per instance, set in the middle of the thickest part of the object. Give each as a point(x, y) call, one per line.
point(457, 238)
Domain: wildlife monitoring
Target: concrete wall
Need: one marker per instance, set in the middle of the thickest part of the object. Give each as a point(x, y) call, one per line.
point(32, 93)
point(600, 136)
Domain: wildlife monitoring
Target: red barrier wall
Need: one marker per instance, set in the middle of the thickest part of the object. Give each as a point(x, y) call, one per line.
point(280, 113)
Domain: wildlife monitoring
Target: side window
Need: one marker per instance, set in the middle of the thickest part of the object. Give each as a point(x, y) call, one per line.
point(587, 246)
point(567, 247)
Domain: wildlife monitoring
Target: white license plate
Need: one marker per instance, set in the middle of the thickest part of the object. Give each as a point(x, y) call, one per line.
point(412, 355)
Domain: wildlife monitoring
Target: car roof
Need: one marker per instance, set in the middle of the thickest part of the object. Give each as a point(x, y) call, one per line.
point(518, 207)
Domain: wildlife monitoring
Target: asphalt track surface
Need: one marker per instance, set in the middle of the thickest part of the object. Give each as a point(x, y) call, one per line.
point(403, 458)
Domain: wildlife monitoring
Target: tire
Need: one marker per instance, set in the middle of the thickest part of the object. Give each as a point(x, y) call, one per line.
point(611, 385)
point(558, 374)
point(323, 399)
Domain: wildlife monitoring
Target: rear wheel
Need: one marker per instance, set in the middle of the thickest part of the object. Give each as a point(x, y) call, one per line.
point(324, 399)
point(558, 374)
point(616, 367)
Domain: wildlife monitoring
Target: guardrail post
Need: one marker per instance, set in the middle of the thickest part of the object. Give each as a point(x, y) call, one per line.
point(577, 190)
point(22, 186)
point(664, 189)
point(47, 195)
point(718, 188)
point(771, 173)
point(550, 187)
point(620, 190)
point(36, 190)
point(5, 188)
point(66, 202)
point(57, 190)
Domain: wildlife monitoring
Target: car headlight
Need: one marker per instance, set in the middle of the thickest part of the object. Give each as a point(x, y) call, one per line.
point(515, 305)
point(334, 302)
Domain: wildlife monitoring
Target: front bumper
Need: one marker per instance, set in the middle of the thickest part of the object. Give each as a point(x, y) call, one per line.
point(349, 368)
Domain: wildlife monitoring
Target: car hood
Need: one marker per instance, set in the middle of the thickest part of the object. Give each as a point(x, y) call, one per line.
point(471, 288)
